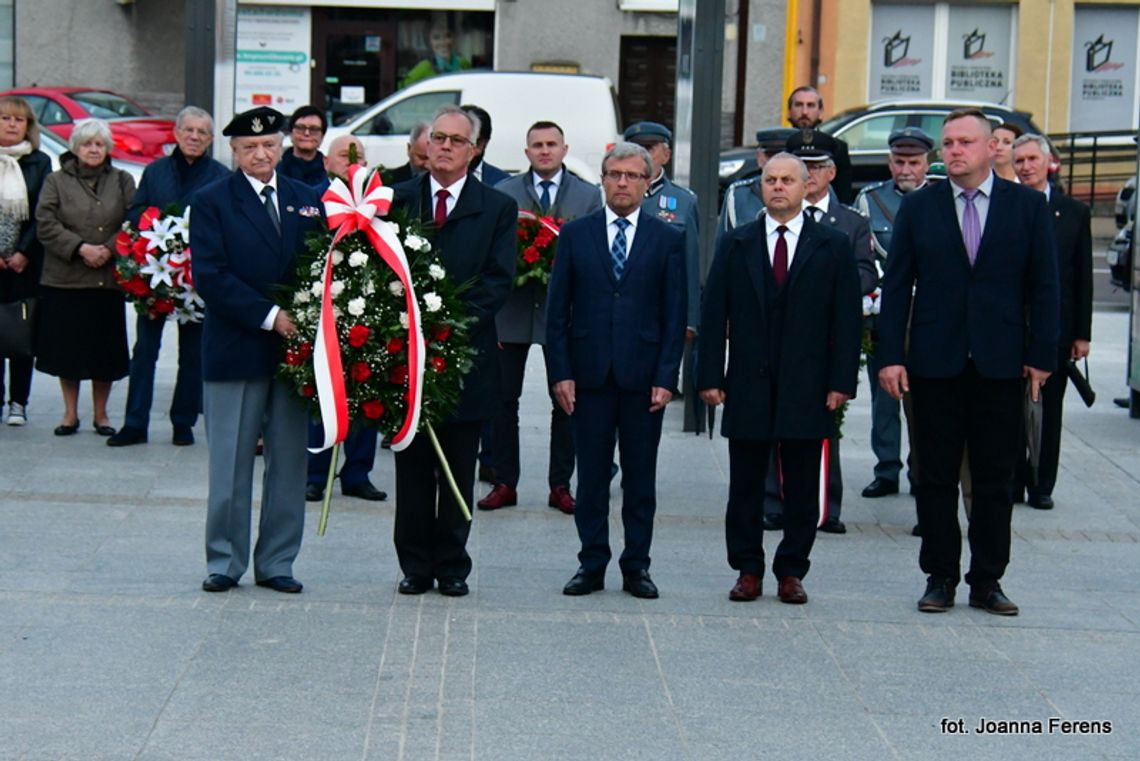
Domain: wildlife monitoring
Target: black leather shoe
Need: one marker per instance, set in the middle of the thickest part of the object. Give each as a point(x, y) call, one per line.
point(880, 487)
point(314, 492)
point(833, 526)
point(1040, 501)
point(67, 430)
point(939, 596)
point(584, 582)
point(916, 531)
point(217, 582)
point(639, 585)
point(453, 586)
point(487, 475)
point(183, 436)
point(364, 490)
point(104, 430)
point(286, 584)
point(773, 522)
point(992, 600)
point(415, 585)
point(127, 436)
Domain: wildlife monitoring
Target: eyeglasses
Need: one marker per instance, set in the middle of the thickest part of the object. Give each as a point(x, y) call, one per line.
point(439, 138)
point(615, 175)
point(305, 130)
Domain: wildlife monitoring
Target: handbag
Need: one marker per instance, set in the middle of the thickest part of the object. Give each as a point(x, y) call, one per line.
point(16, 328)
point(1081, 382)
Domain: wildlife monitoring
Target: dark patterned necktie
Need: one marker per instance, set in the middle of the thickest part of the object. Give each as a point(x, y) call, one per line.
point(544, 199)
point(618, 249)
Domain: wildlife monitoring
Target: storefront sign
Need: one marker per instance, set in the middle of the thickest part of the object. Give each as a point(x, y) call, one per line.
point(1104, 69)
point(272, 67)
point(902, 39)
point(979, 60)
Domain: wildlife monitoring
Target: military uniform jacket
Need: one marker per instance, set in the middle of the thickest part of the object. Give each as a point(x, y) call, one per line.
point(854, 225)
point(743, 203)
point(522, 320)
point(677, 205)
point(880, 203)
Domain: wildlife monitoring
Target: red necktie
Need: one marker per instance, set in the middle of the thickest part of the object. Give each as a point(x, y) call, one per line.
point(441, 197)
point(780, 259)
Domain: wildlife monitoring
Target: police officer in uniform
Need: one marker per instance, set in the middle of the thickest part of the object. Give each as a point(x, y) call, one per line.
point(742, 201)
point(908, 163)
point(819, 150)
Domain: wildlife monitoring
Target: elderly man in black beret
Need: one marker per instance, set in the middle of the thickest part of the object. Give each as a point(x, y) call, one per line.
point(248, 229)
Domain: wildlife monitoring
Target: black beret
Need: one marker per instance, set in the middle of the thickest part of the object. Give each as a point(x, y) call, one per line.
point(255, 122)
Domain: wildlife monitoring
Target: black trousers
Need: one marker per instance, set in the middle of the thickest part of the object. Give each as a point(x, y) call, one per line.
point(1044, 479)
point(985, 415)
point(512, 358)
point(430, 531)
point(601, 416)
point(19, 379)
point(748, 463)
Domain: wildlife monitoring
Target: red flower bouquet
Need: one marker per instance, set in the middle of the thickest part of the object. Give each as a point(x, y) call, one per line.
point(153, 265)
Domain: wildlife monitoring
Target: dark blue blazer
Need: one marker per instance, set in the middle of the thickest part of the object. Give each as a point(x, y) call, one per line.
point(477, 246)
point(239, 261)
point(771, 397)
point(1002, 313)
point(633, 327)
point(171, 180)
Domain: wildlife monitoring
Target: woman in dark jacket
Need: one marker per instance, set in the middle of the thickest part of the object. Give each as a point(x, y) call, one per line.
point(82, 327)
point(23, 169)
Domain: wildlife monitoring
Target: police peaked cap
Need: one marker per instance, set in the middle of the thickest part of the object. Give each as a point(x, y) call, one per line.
point(812, 145)
point(256, 122)
point(647, 132)
point(771, 140)
point(910, 141)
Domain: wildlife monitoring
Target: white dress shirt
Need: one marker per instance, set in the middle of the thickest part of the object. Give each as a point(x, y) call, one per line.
point(611, 229)
point(453, 191)
point(791, 236)
point(823, 204)
point(555, 183)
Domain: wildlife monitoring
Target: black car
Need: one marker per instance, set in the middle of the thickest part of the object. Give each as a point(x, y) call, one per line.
point(1119, 257)
point(866, 129)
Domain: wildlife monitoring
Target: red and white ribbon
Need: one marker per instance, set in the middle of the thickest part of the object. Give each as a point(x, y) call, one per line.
point(824, 474)
point(544, 221)
point(359, 207)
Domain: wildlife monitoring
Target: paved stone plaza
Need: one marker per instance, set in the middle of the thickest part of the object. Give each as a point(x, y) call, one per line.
point(109, 650)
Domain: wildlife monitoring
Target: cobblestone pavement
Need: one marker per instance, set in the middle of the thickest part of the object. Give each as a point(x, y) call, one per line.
point(109, 650)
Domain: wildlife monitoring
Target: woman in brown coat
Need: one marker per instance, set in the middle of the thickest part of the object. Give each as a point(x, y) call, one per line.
point(82, 332)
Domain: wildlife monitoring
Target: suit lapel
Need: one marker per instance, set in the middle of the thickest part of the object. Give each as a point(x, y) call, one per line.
point(287, 203)
point(947, 217)
point(808, 243)
point(601, 245)
point(643, 239)
point(469, 203)
point(252, 207)
point(756, 262)
point(998, 199)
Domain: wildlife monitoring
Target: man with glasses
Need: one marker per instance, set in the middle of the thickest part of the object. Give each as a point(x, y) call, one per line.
point(303, 161)
point(171, 179)
point(475, 230)
point(614, 336)
point(546, 189)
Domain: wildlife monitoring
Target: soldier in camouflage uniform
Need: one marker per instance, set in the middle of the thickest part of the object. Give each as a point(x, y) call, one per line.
point(880, 202)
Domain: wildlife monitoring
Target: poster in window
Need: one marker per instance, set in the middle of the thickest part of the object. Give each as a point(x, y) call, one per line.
point(1103, 92)
point(902, 52)
point(979, 57)
point(272, 67)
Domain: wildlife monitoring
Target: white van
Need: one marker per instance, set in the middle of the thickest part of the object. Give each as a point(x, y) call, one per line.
point(584, 106)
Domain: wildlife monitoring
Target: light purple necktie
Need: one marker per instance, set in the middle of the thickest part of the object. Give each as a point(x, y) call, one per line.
point(971, 225)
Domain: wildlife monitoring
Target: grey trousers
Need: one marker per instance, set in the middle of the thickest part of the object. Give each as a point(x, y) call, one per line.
point(237, 412)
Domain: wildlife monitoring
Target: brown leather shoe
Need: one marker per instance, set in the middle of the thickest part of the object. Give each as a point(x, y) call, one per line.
point(747, 588)
point(792, 591)
point(561, 498)
point(501, 496)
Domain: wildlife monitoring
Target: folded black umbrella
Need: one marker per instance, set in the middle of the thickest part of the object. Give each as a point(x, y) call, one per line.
point(1081, 382)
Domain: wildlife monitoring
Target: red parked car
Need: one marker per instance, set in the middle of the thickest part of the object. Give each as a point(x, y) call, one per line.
point(138, 135)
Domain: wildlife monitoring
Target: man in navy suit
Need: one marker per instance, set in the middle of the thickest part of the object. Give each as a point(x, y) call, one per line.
point(789, 288)
point(1072, 222)
point(615, 332)
point(976, 258)
point(247, 231)
point(476, 229)
point(546, 189)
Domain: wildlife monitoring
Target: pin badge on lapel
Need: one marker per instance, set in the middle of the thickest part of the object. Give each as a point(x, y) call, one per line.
point(289, 209)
